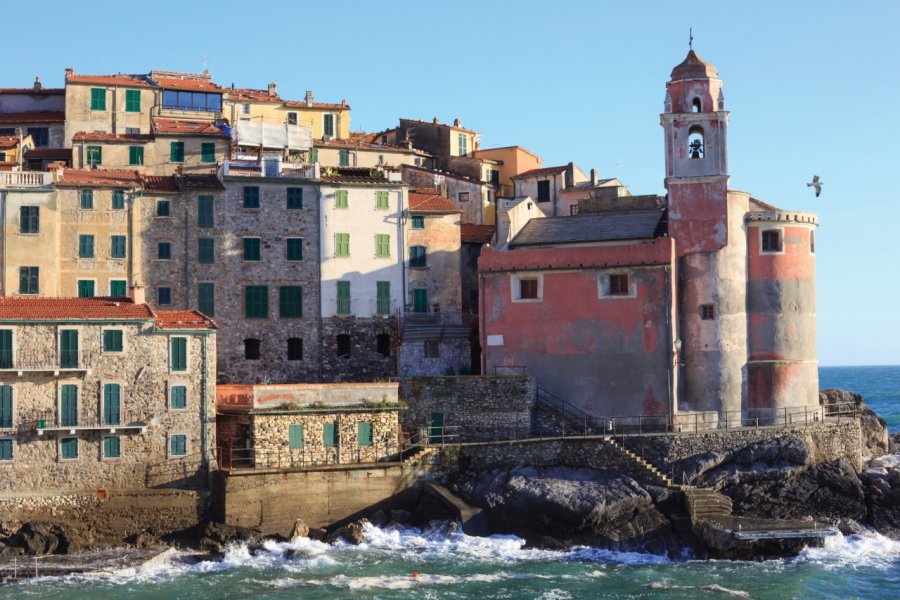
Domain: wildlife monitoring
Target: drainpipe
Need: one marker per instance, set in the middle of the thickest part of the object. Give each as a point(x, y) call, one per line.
point(670, 348)
point(320, 335)
point(204, 408)
point(404, 279)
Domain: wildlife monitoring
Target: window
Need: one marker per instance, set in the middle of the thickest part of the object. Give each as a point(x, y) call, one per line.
point(383, 344)
point(495, 177)
point(463, 196)
point(176, 152)
point(771, 240)
point(178, 397)
point(29, 219)
point(382, 245)
point(68, 448)
point(85, 288)
point(417, 259)
point(256, 301)
point(178, 353)
point(205, 206)
point(432, 349)
point(364, 433)
point(28, 280)
point(245, 109)
point(185, 100)
point(251, 196)
point(251, 349)
point(418, 222)
point(294, 198)
point(812, 242)
point(85, 246)
point(343, 298)
point(295, 436)
point(208, 152)
point(112, 340)
point(343, 345)
point(295, 349)
point(94, 155)
point(528, 289)
point(290, 301)
point(251, 249)
point(132, 131)
point(118, 200)
point(133, 101)
point(206, 299)
point(98, 99)
point(87, 199)
point(328, 124)
point(118, 287)
point(68, 405)
point(40, 136)
point(6, 349)
point(68, 349)
point(163, 208)
point(618, 284)
point(112, 404)
point(112, 446)
point(206, 250)
point(294, 248)
point(463, 144)
point(178, 444)
point(707, 312)
point(344, 158)
point(135, 155)
point(117, 246)
point(383, 297)
point(6, 407)
point(382, 200)
point(695, 105)
point(342, 244)
point(330, 434)
point(341, 199)
point(695, 142)
point(292, 118)
point(543, 191)
point(6, 449)
point(164, 250)
point(164, 295)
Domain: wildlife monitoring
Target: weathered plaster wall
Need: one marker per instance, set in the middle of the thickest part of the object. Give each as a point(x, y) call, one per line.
point(364, 362)
point(441, 275)
point(40, 249)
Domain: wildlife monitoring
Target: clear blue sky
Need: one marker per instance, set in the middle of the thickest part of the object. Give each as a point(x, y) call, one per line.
point(813, 88)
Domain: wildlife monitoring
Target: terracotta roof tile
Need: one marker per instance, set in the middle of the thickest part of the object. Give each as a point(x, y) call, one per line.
point(201, 182)
point(100, 177)
point(33, 117)
point(8, 141)
point(51, 309)
point(365, 145)
point(250, 95)
point(477, 234)
point(118, 79)
point(48, 153)
point(160, 184)
point(450, 125)
point(112, 138)
point(543, 171)
point(183, 319)
point(180, 127)
point(419, 202)
point(446, 174)
point(192, 85)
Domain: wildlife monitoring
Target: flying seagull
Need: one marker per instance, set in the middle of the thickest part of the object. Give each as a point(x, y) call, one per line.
point(816, 184)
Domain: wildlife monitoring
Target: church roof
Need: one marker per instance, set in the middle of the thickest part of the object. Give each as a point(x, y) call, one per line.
point(694, 67)
point(633, 225)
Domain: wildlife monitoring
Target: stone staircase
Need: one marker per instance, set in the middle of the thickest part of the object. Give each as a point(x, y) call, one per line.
point(648, 467)
point(705, 504)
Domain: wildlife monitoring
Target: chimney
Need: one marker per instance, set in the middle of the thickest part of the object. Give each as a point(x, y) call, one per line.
point(344, 102)
point(273, 89)
point(137, 294)
point(309, 97)
point(69, 72)
point(456, 122)
point(593, 177)
point(37, 84)
point(435, 121)
point(570, 175)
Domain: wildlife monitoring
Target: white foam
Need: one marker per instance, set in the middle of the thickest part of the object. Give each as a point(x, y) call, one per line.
point(868, 550)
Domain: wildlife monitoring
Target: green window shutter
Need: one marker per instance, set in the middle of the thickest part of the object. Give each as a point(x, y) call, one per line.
point(206, 250)
point(6, 406)
point(328, 125)
point(98, 98)
point(251, 196)
point(343, 297)
point(163, 208)
point(112, 446)
point(344, 158)
point(118, 287)
point(383, 297)
point(341, 199)
point(112, 404)
point(256, 301)
point(314, 155)
point(132, 101)
point(418, 222)
point(117, 246)
point(179, 354)
point(342, 244)
point(6, 450)
point(68, 448)
point(118, 199)
point(68, 405)
point(85, 288)
point(251, 249)
point(382, 200)
point(208, 152)
point(112, 340)
point(68, 348)
point(176, 152)
point(206, 299)
point(290, 301)
point(295, 436)
point(417, 257)
point(87, 199)
point(330, 434)
point(94, 155)
point(294, 198)
point(135, 155)
point(364, 433)
point(6, 349)
point(205, 205)
point(178, 445)
point(382, 245)
point(86, 246)
point(178, 397)
point(294, 248)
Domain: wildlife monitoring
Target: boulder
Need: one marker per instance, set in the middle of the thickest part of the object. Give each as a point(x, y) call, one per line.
point(352, 533)
point(216, 536)
point(400, 517)
point(894, 443)
point(850, 527)
point(38, 539)
point(379, 518)
point(300, 530)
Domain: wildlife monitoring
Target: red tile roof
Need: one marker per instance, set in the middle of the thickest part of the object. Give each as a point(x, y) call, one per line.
point(201, 182)
point(419, 202)
point(191, 85)
point(100, 177)
point(544, 171)
point(183, 319)
point(111, 138)
point(180, 127)
point(365, 145)
point(476, 234)
point(8, 141)
point(160, 184)
point(47, 153)
point(249, 95)
point(450, 125)
point(52, 309)
point(33, 117)
point(118, 79)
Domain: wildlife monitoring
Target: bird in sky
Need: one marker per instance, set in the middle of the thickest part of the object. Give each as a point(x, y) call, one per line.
point(816, 184)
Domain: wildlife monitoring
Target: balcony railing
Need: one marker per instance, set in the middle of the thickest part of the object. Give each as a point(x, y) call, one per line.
point(343, 306)
point(20, 367)
point(25, 179)
point(383, 306)
point(62, 421)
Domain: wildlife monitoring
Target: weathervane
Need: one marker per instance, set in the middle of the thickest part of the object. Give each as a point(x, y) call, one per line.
point(691, 38)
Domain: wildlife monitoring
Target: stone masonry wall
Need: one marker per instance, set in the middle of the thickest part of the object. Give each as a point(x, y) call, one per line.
point(592, 453)
point(454, 357)
point(364, 363)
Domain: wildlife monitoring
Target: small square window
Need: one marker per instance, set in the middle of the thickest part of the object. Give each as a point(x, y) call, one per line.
point(528, 289)
point(68, 448)
point(771, 240)
point(418, 222)
point(295, 349)
point(94, 155)
point(463, 196)
point(112, 340)
point(85, 246)
point(178, 444)
point(251, 349)
point(292, 118)
point(118, 288)
point(163, 208)
point(294, 198)
point(294, 249)
point(118, 200)
point(135, 155)
point(251, 196)
point(87, 199)
point(112, 446)
point(707, 312)
point(164, 251)
point(164, 295)
point(251, 249)
point(178, 397)
point(618, 284)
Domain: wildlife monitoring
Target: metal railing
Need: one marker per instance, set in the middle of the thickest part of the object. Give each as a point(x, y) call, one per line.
point(343, 306)
point(55, 419)
point(283, 457)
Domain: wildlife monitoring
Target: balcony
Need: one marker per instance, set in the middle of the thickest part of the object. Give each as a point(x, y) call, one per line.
point(52, 421)
point(25, 179)
point(43, 366)
point(269, 167)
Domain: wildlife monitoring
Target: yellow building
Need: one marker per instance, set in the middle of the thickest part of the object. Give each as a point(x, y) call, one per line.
point(509, 161)
point(325, 120)
point(12, 151)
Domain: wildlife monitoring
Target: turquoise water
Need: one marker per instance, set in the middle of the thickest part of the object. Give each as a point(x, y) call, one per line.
point(458, 566)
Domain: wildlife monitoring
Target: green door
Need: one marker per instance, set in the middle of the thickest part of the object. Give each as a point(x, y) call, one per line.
point(420, 300)
point(436, 429)
point(68, 405)
point(68, 349)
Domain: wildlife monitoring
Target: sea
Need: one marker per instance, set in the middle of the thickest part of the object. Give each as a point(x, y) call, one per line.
point(401, 563)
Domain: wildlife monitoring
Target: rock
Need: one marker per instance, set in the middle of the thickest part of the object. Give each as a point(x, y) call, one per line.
point(400, 517)
point(874, 428)
point(850, 527)
point(38, 539)
point(379, 518)
point(300, 530)
point(318, 535)
point(352, 533)
point(546, 542)
point(894, 443)
point(218, 535)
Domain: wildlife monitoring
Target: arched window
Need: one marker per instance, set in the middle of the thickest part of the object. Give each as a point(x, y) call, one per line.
point(696, 148)
point(695, 106)
point(251, 349)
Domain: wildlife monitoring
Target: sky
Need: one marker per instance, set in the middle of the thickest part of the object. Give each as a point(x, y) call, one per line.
point(812, 87)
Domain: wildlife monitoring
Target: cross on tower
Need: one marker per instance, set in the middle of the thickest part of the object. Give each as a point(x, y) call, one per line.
point(690, 38)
